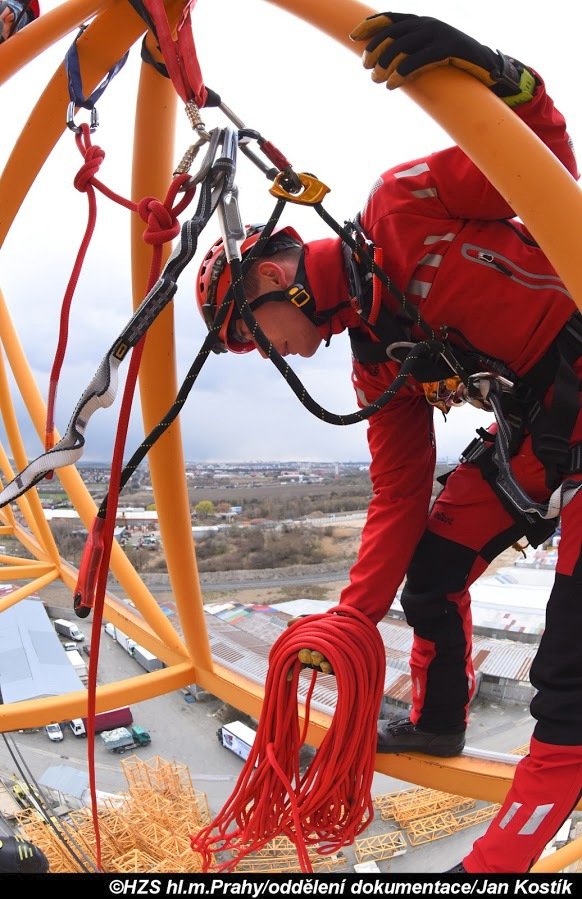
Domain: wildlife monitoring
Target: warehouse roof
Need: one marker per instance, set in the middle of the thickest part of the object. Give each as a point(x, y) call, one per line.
point(33, 662)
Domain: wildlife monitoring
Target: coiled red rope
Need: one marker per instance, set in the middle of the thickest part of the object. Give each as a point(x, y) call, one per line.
point(330, 804)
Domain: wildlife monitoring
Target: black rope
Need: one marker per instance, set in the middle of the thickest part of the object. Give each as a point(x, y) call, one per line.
point(408, 309)
point(196, 367)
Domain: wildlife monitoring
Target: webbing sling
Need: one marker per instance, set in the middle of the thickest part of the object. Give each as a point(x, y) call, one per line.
point(101, 391)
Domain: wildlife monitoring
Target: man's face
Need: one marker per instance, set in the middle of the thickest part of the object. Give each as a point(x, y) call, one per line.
point(290, 332)
point(288, 329)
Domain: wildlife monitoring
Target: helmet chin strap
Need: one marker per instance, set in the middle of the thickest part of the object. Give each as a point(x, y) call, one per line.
point(299, 293)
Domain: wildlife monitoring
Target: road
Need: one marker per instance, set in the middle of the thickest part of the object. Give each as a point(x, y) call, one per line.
point(283, 581)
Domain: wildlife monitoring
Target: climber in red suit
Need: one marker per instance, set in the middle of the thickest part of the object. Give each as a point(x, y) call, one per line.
point(453, 247)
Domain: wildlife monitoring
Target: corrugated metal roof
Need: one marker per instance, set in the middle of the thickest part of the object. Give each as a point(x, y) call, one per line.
point(243, 645)
point(33, 662)
point(506, 660)
point(65, 779)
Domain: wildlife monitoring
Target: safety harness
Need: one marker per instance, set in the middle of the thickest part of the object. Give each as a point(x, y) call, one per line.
point(516, 401)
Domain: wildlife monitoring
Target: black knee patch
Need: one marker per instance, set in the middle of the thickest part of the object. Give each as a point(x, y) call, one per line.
point(439, 566)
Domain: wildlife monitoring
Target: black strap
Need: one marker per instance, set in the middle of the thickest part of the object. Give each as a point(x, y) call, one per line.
point(551, 427)
point(537, 530)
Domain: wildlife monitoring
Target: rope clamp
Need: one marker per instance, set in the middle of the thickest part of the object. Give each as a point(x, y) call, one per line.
point(94, 121)
point(313, 192)
point(482, 383)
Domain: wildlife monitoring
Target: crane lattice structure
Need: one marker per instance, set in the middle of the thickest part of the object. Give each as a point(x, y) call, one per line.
point(147, 829)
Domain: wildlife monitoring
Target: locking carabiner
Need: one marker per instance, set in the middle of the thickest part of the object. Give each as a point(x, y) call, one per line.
point(93, 124)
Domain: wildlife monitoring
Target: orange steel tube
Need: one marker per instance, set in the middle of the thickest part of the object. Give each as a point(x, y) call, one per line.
point(102, 44)
point(153, 164)
point(78, 493)
point(560, 859)
point(488, 780)
point(44, 31)
point(32, 509)
point(23, 592)
point(36, 712)
point(535, 184)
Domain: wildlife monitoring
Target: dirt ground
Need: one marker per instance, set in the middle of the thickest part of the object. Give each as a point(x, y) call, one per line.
point(331, 589)
point(341, 549)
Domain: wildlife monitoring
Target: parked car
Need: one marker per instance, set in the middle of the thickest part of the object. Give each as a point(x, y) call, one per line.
point(78, 727)
point(54, 732)
point(86, 649)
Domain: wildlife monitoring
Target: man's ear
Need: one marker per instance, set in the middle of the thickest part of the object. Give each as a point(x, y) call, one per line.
point(273, 273)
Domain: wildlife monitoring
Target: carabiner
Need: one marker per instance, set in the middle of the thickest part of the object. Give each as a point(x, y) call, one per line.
point(190, 155)
point(94, 122)
point(313, 192)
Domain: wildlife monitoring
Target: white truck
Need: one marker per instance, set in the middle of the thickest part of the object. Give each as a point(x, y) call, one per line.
point(146, 658)
point(68, 629)
point(237, 737)
point(124, 641)
point(78, 663)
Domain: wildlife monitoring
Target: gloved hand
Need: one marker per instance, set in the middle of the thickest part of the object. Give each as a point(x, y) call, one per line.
point(310, 658)
point(401, 46)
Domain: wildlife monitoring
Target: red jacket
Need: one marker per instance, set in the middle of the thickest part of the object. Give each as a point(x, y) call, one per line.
point(450, 246)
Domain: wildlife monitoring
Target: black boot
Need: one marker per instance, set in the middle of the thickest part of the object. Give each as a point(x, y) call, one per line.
point(404, 736)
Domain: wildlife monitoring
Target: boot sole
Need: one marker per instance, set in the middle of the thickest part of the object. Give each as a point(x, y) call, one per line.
point(445, 754)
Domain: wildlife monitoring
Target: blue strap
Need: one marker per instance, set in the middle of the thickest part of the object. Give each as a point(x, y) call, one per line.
point(74, 80)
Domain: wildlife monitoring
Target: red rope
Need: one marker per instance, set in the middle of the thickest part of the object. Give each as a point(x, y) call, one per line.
point(93, 157)
point(330, 804)
point(105, 529)
point(162, 226)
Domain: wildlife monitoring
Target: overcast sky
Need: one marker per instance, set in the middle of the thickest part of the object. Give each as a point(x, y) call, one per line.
point(314, 100)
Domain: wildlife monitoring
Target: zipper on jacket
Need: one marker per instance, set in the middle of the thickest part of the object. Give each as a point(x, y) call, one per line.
point(506, 266)
point(490, 259)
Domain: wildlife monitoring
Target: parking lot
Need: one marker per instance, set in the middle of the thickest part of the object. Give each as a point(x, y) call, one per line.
point(186, 732)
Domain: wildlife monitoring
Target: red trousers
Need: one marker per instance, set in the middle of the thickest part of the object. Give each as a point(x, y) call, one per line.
point(467, 529)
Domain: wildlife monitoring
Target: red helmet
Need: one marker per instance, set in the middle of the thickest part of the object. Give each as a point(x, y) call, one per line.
point(214, 280)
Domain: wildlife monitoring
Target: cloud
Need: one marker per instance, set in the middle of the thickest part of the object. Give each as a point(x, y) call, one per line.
point(313, 99)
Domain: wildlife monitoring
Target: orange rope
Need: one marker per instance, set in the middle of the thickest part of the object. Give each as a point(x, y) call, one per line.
point(331, 803)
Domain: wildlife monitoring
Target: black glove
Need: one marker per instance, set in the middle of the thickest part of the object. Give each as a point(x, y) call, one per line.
point(401, 46)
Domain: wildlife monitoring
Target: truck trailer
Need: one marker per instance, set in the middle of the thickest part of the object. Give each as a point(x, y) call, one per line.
point(124, 641)
point(146, 658)
point(78, 663)
point(122, 739)
point(237, 737)
point(111, 719)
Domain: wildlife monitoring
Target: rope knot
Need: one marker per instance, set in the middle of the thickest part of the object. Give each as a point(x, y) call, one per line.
point(93, 156)
point(162, 223)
